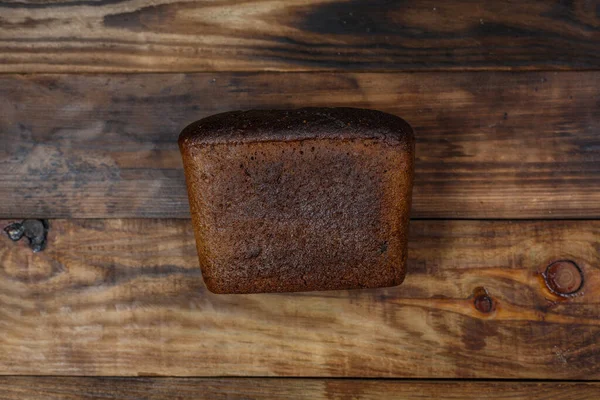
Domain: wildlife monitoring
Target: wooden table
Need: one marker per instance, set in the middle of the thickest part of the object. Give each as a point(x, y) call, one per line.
point(505, 100)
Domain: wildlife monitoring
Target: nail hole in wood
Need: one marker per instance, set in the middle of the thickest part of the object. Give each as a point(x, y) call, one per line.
point(35, 230)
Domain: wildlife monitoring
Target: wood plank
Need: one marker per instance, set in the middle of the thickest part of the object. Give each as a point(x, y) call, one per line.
point(489, 145)
point(62, 388)
point(125, 297)
point(299, 35)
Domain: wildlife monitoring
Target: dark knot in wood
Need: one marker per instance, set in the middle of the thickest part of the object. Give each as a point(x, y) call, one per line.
point(482, 300)
point(35, 230)
point(563, 278)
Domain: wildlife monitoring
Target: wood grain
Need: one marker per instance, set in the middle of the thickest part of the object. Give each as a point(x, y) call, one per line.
point(63, 388)
point(125, 297)
point(298, 35)
point(489, 145)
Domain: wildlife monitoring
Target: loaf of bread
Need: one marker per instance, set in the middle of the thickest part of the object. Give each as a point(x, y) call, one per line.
point(301, 200)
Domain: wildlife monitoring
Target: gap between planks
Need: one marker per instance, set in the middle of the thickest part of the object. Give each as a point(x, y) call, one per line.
point(56, 388)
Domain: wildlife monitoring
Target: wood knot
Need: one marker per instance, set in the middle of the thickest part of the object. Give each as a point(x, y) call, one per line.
point(482, 300)
point(35, 230)
point(563, 278)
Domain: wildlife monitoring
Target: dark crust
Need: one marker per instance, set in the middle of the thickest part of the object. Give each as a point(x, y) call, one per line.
point(311, 199)
point(300, 124)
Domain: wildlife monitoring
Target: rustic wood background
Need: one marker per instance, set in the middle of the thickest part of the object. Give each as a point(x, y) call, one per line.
point(505, 100)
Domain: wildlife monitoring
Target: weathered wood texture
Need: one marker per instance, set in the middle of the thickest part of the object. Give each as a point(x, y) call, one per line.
point(63, 388)
point(125, 297)
point(489, 144)
point(225, 35)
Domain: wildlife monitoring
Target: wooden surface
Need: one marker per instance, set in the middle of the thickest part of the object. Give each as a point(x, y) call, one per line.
point(298, 35)
point(489, 145)
point(505, 99)
point(61, 388)
point(125, 297)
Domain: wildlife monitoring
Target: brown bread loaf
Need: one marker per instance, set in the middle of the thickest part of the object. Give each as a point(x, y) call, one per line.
point(308, 199)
